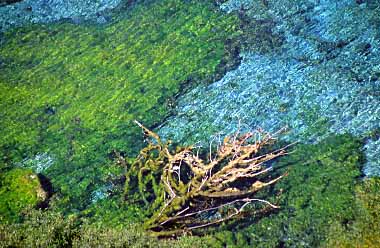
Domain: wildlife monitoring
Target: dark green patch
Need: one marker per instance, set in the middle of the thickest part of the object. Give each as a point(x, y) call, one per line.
point(364, 230)
point(259, 28)
point(51, 229)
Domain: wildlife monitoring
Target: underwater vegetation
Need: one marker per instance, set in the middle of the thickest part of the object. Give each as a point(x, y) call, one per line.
point(364, 229)
point(323, 203)
point(50, 229)
point(318, 193)
point(70, 92)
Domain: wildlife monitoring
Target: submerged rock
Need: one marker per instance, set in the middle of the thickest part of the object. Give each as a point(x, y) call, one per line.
point(45, 11)
point(322, 79)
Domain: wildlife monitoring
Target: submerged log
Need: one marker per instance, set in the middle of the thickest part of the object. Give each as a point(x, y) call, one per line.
point(183, 191)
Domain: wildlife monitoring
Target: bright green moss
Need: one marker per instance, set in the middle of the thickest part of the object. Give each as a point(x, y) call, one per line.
point(19, 189)
point(72, 91)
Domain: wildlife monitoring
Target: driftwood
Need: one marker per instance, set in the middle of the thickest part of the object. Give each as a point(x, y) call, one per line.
point(184, 192)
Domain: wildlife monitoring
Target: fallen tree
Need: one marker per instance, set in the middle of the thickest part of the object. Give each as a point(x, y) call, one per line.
point(184, 191)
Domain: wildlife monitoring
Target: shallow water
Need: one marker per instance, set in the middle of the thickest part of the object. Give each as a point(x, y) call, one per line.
point(74, 75)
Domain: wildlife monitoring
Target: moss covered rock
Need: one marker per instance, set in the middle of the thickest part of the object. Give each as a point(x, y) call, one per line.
point(19, 189)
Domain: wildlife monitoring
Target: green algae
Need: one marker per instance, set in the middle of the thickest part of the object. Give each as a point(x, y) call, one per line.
point(318, 191)
point(72, 91)
point(317, 194)
point(20, 189)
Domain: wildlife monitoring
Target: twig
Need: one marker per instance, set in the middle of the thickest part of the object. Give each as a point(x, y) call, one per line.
point(246, 200)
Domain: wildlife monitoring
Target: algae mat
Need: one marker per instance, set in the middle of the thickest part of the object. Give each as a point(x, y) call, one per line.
point(70, 92)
